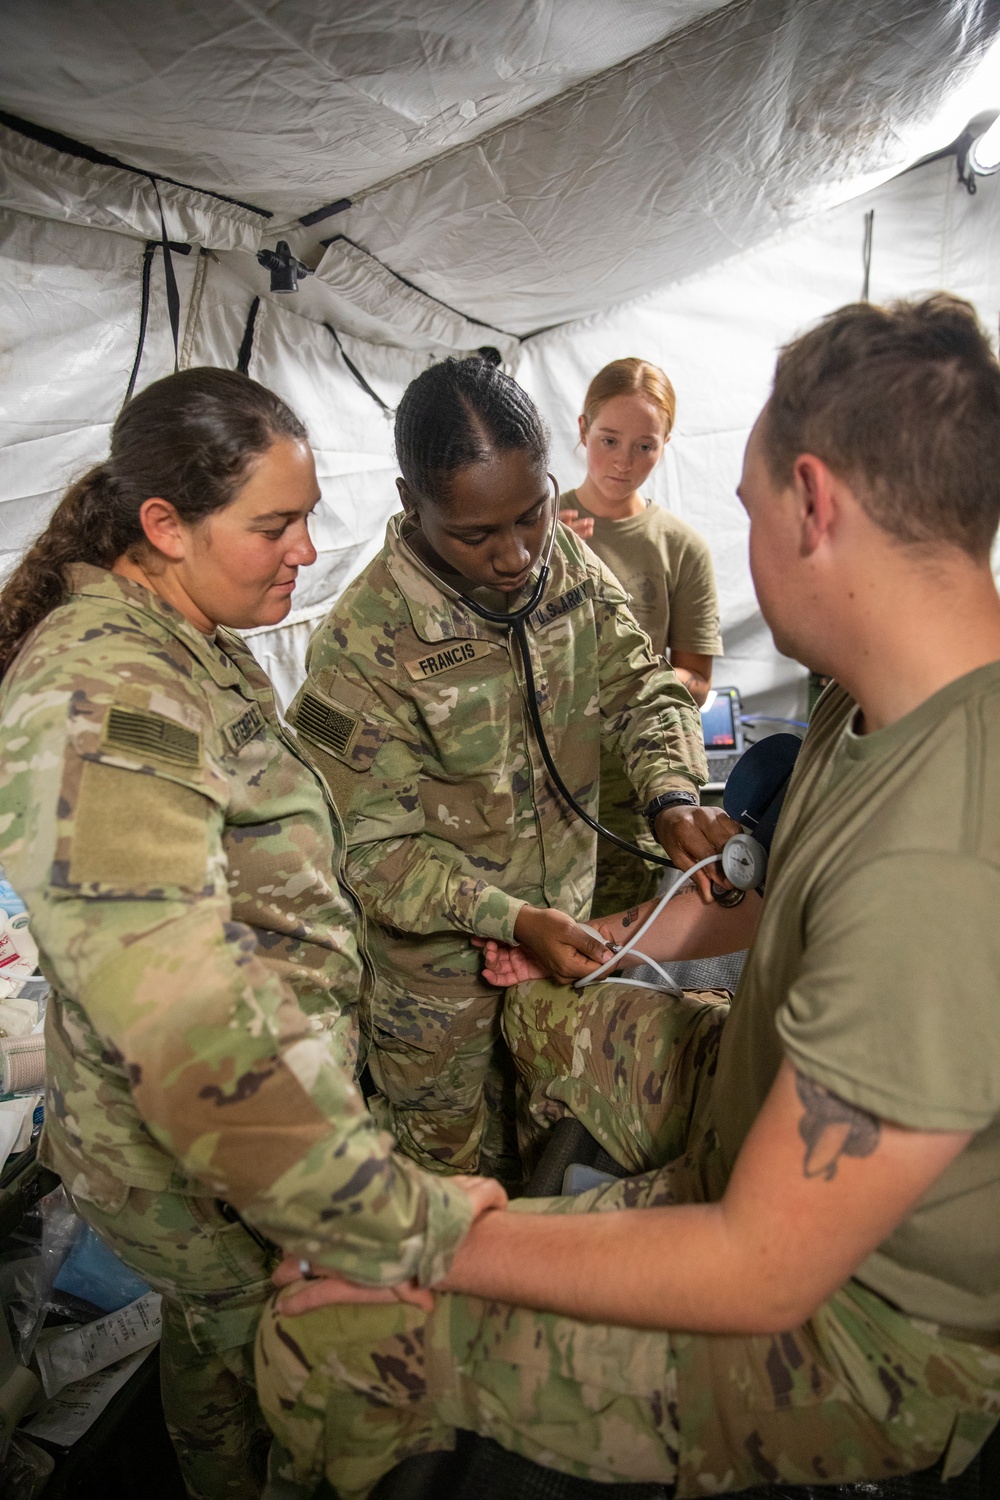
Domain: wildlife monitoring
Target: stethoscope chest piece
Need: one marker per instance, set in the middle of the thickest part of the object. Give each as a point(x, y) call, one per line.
point(744, 862)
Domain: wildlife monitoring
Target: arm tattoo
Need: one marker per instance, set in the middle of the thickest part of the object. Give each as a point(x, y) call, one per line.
point(632, 915)
point(832, 1128)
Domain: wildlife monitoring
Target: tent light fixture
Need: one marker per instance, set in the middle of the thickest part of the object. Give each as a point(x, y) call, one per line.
point(285, 269)
point(977, 150)
point(984, 153)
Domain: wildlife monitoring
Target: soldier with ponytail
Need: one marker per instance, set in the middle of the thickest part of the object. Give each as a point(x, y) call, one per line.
point(179, 858)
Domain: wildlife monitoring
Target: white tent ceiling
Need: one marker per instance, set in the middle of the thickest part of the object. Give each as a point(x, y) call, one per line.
point(289, 104)
point(524, 163)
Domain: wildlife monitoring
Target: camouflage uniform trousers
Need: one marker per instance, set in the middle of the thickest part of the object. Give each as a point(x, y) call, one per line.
point(214, 1280)
point(622, 879)
point(440, 1064)
point(859, 1391)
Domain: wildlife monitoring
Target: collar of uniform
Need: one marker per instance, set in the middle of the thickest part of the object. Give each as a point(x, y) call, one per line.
point(102, 584)
point(436, 609)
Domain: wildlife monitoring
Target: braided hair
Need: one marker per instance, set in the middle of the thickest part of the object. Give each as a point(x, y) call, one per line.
point(191, 438)
point(462, 412)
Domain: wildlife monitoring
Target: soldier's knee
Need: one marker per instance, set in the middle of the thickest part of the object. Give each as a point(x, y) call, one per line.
point(538, 1008)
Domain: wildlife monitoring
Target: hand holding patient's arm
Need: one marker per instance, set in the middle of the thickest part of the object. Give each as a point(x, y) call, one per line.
point(817, 1186)
point(313, 1286)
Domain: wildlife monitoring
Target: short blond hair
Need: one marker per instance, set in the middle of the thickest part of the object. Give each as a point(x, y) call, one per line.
point(631, 377)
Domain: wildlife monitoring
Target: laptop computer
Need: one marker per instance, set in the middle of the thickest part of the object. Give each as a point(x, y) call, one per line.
point(722, 731)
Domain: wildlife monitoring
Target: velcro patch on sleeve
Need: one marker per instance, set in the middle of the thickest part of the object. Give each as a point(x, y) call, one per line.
point(326, 724)
point(134, 834)
point(244, 728)
point(139, 732)
point(553, 609)
point(446, 658)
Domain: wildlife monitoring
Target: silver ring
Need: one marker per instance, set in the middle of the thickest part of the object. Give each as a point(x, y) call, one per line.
point(305, 1268)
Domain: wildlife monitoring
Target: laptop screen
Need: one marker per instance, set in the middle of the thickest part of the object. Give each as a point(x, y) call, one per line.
point(718, 724)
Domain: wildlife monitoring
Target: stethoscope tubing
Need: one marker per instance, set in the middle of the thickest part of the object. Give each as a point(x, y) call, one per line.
point(516, 623)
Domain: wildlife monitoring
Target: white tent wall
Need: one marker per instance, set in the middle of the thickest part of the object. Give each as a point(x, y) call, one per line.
point(717, 335)
point(69, 304)
point(69, 314)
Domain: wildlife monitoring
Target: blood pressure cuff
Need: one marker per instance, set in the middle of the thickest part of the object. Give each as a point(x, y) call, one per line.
point(755, 791)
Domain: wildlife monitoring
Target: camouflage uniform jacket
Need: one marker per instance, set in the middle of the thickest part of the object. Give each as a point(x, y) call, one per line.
point(415, 708)
point(179, 866)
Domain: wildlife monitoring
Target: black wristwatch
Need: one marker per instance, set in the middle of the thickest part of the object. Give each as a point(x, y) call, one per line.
point(668, 799)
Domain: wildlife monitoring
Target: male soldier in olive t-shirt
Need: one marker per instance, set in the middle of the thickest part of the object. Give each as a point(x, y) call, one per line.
point(813, 1253)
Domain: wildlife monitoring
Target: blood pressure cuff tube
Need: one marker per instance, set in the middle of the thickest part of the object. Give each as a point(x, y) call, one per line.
point(758, 782)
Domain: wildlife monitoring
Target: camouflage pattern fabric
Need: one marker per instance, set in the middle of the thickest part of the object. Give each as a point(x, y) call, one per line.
point(622, 879)
point(860, 1391)
point(414, 709)
point(214, 1279)
point(179, 859)
point(635, 1067)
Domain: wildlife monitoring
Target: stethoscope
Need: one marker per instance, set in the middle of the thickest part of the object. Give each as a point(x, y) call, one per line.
point(517, 623)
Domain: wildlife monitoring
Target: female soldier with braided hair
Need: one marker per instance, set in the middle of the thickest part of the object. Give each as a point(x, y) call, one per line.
point(415, 708)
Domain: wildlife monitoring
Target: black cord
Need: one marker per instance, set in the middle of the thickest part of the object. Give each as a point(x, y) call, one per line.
point(246, 347)
point(362, 382)
point(520, 630)
point(173, 296)
point(147, 267)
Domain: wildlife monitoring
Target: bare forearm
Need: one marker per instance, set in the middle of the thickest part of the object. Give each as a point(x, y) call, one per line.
point(687, 928)
point(698, 686)
point(660, 1268)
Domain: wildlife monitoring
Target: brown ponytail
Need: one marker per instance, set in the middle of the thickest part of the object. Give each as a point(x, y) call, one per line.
point(191, 438)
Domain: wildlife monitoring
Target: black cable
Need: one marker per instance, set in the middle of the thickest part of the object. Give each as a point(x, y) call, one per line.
point(404, 281)
point(362, 382)
point(246, 347)
point(147, 266)
point(173, 295)
point(520, 630)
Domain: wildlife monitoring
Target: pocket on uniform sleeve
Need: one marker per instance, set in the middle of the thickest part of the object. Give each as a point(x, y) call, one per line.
point(137, 834)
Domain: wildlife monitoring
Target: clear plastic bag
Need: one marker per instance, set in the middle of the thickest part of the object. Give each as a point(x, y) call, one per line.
point(35, 1286)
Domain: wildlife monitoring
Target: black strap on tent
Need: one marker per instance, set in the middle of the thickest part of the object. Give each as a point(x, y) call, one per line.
point(362, 382)
point(173, 296)
point(246, 347)
point(147, 267)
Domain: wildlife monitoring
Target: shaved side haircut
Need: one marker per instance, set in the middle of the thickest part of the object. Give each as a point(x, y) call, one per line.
point(903, 403)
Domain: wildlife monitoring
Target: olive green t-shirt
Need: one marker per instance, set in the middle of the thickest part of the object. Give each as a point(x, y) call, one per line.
point(876, 970)
point(666, 568)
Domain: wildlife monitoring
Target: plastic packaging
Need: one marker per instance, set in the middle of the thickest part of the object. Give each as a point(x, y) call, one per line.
point(10, 901)
point(95, 1273)
point(18, 950)
point(26, 1470)
point(60, 1227)
point(64, 1356)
